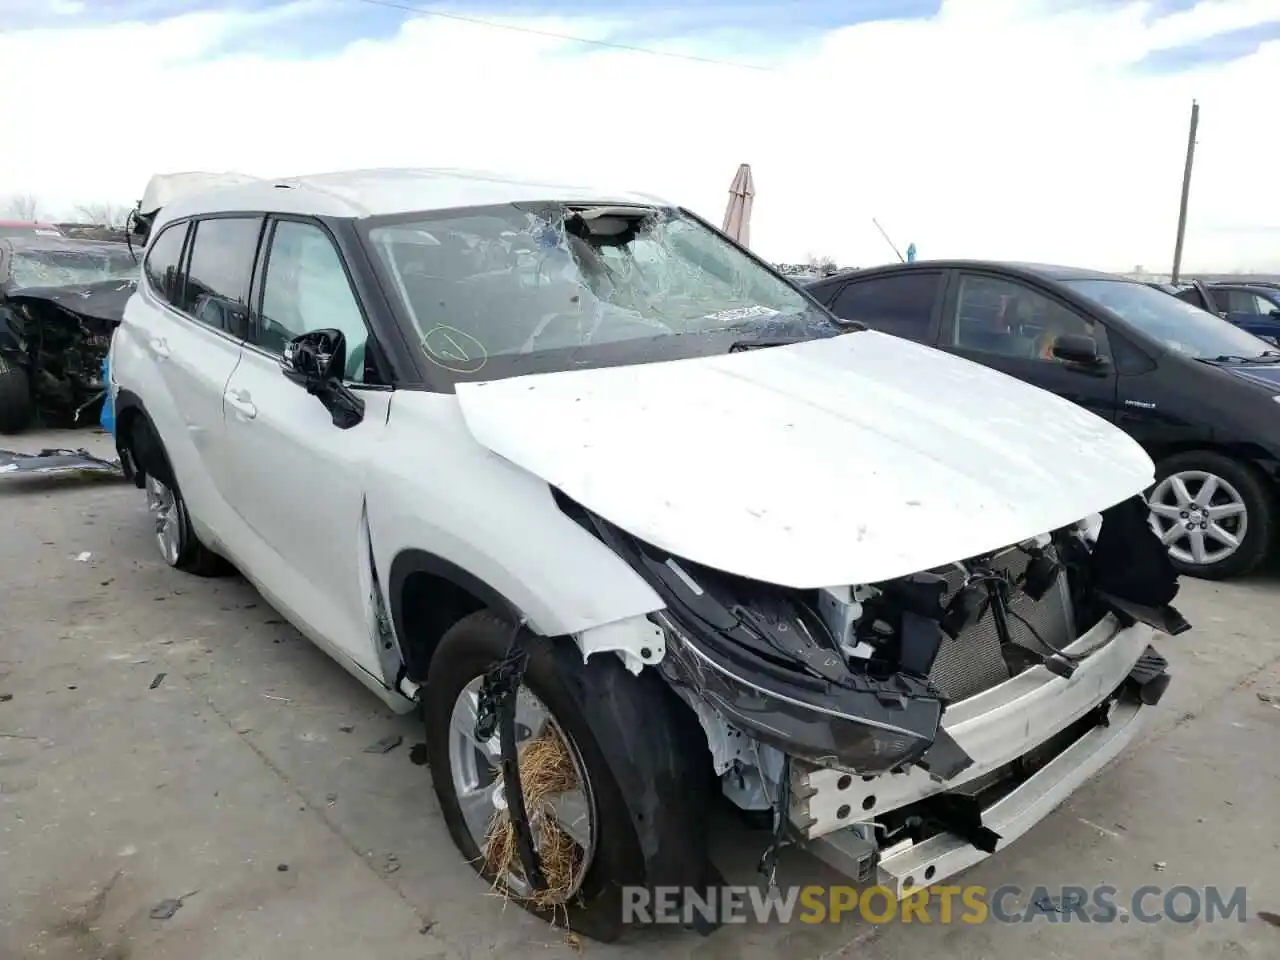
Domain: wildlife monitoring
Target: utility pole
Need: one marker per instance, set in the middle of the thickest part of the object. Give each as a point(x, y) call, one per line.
point(1186, 189)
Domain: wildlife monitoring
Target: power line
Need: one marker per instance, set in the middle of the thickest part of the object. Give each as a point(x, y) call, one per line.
point(479, 21)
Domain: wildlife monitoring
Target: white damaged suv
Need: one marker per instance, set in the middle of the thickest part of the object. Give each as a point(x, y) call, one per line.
point(620, 508)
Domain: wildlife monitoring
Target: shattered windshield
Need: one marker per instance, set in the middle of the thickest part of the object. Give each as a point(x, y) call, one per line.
point(69, 267)
point(506, 289)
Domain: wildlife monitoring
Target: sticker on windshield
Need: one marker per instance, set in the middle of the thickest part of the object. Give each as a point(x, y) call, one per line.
point(454, 350)
point(741, 313)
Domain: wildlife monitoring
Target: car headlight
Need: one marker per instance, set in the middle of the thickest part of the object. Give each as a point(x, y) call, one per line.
point(861, 730)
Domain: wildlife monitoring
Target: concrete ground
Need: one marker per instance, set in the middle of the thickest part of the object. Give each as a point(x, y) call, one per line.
point(164, 738)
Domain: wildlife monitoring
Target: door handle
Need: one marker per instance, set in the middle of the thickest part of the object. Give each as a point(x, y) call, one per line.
point(241, 402)
point(159, 346)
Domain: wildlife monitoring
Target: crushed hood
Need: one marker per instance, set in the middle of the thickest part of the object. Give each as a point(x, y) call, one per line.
point(103, 300)
point(853, 459)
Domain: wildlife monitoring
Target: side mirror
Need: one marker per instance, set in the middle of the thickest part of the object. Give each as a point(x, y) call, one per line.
point(316, 357)
point(1077, 348)
point(316, 361)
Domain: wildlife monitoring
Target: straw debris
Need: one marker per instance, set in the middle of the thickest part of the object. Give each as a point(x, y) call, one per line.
point(546, 770)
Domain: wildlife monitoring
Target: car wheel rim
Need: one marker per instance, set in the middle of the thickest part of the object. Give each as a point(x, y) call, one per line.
point(166, 512)
point(1199, 516)
point(473, 765)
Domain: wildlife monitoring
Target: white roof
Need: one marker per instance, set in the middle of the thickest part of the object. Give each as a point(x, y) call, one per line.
point(371, 193)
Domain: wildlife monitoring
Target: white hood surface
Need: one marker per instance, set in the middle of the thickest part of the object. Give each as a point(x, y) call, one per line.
point(847, 460)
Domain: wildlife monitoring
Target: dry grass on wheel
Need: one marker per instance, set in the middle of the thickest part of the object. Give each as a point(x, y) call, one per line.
point(546, 770)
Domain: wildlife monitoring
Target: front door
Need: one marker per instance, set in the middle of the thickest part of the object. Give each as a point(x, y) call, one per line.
point(1010, 326)
point(299, 480)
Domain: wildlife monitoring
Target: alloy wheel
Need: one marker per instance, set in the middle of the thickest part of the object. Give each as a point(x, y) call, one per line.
point(1199, 516)
point(166, 513)
point(473, 765)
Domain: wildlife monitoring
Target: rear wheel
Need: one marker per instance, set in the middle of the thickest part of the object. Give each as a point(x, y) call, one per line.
point(173, 533)
point(16, 404)
point(1216, 515)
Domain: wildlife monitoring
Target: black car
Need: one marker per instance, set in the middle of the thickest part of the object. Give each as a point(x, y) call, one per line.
point(1197, 392)
point(60, 302)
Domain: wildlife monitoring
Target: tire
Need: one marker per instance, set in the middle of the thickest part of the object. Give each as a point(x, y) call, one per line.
point(468, 650)
point(175, 538)
point(17, 408)
point(1243, 501)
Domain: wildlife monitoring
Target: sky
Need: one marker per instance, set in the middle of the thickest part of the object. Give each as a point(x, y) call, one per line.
point(1046, 130)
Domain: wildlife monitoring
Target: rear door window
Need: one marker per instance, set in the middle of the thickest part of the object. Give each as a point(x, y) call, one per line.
point(219, 269)
point(901, 304)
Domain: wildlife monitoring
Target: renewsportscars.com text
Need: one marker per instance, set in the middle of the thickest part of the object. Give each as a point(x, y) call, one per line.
point(940, 904)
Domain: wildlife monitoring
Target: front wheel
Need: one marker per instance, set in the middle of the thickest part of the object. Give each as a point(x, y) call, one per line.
point(16, 405)
point(580, 823)
point(1216, 515)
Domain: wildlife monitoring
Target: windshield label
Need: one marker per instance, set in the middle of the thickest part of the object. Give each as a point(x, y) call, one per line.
point(741, 313)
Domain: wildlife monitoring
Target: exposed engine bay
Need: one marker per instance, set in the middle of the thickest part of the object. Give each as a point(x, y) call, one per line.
point(858, 678)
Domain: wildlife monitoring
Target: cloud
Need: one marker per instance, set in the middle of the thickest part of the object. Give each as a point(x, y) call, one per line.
point(1048, 130)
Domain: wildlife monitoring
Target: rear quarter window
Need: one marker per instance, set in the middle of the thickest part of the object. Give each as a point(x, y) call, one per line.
point(163, 261)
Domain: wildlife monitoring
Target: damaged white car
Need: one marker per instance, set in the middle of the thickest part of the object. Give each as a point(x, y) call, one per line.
point(621, 509)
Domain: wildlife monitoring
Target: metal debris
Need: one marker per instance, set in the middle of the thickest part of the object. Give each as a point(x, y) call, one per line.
point(386, 744)
point(158, 680)
point(1159, 865)
point(167, 908)
point(1064, 904)
point(56, 462)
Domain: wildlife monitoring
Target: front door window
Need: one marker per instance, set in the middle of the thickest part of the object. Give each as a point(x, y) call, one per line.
point(1005, 318)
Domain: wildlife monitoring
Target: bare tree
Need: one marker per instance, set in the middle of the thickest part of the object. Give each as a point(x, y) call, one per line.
point(103, 214)
point(22, 206)
point(822, 264)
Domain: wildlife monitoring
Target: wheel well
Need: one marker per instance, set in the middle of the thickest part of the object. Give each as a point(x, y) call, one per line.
point(429, 604)
point(124, 426)
point(1249, 454)
point(136, 434)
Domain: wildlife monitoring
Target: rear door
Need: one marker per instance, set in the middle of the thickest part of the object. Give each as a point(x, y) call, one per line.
point(191, 322)
point(297, 481)
point(1009, 325)
point(905, 304)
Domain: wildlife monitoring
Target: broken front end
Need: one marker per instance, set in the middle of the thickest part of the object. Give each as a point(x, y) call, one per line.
point(904, 730)
point(52, 345)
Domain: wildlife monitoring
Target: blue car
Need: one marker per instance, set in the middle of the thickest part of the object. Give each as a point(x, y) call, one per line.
point(1252, 306)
